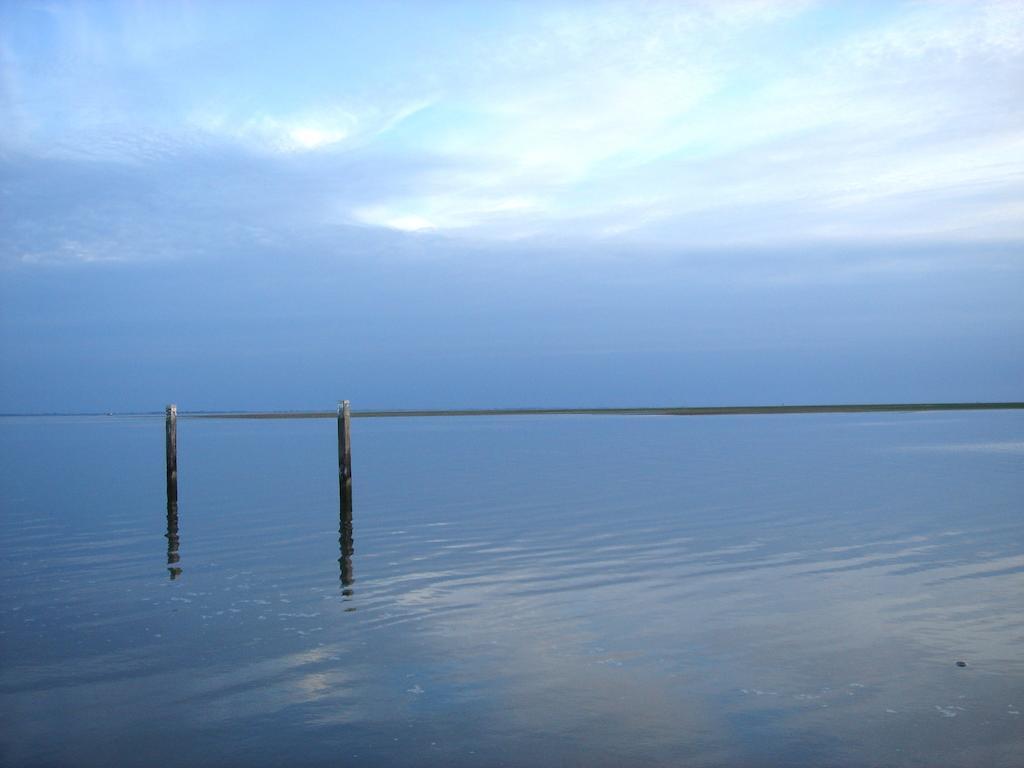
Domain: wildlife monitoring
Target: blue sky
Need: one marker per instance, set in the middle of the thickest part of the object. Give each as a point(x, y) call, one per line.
point(410, 204)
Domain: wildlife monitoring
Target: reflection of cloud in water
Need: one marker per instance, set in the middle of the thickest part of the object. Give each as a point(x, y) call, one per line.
point(639, 634)
point(271, 685)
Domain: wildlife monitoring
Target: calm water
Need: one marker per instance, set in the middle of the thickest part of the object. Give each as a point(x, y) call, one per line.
point(521, 591)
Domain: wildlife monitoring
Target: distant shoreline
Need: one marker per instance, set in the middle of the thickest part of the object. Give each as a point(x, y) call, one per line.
point(714, 410)
point(732, 410)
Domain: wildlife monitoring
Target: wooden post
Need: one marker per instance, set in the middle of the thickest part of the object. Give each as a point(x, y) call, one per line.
point(172, 453)
point(344, 444)
point(171, 424)
point(345, 494)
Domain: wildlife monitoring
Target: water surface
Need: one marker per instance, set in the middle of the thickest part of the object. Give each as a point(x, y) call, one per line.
point(520, 591)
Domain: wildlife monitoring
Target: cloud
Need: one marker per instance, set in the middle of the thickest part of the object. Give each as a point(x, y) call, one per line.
point(300, 134)
point(636, 123)
point(696, 125)
point(335, 127)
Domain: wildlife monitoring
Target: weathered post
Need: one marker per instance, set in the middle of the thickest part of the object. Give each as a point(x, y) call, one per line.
point(172, 453)
point(171, 424)
point(344, 445)
point(345, 494)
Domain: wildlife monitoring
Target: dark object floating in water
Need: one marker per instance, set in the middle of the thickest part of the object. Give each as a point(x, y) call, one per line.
point(961, 663)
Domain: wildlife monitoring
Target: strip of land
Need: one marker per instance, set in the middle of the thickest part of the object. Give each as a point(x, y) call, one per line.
point(725, 410)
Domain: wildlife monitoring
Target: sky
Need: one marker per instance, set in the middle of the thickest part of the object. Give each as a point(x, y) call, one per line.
point(441, 204)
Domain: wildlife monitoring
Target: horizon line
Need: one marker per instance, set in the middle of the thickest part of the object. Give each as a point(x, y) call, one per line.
point(713, 410)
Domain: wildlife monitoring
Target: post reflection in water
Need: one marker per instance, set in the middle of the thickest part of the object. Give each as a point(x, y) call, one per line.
point(172, 538)
point(345, 538)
